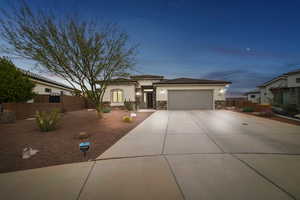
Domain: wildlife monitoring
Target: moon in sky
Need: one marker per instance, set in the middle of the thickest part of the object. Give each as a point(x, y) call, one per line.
point(248, 49)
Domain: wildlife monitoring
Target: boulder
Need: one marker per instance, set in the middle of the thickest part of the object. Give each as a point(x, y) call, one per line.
point(83, 135)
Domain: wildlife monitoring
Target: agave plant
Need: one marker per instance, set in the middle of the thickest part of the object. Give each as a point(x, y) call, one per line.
point(47, 121)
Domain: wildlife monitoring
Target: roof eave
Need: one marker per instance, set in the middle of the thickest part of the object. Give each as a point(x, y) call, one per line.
point(223, 83)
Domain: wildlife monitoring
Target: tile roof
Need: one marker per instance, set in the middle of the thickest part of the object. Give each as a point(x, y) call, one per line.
point(42, 78)
point(282, 76)
point(297, 71)
point(146, 76)
point(192, 81)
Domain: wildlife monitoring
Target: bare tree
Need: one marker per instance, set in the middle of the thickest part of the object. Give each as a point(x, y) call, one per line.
point(81, 52)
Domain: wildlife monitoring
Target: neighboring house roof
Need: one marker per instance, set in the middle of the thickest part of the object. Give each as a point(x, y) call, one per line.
point(255, 91)
point(283, 76)
point(297, 71)
point(273, 80)
point(43, 79)
point(146, 76)
point(191, 81)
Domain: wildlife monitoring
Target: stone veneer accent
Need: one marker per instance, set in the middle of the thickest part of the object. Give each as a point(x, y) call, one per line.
point(161, 105)
point(220, 104)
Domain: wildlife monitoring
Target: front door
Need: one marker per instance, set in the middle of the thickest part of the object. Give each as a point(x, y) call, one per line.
point(149, 100)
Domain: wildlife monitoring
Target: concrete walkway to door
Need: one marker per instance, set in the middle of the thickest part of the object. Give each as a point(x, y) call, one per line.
point(179, 155)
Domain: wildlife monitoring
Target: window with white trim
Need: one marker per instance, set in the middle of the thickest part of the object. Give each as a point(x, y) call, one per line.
point(117, 96)
point(48, 90)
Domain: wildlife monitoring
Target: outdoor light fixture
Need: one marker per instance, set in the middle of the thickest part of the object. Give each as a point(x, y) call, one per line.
point(222, 91)
point(84, 147)
point(138, 93)
point(162, 91)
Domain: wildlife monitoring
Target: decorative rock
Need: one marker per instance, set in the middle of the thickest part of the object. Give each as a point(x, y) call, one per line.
point(28, 152)
point(83, 135)
point(132, 114)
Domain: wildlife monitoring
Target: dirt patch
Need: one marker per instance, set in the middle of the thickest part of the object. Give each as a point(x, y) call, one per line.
point(62, 145)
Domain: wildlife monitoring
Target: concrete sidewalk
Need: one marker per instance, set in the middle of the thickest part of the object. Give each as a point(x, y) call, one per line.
point(178, 155)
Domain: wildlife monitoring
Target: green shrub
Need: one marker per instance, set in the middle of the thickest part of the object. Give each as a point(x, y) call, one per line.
point(127, 119)
point(248, 109)
point(128, 105)
point(106, 110)
point(15, 86)
point(47, 121)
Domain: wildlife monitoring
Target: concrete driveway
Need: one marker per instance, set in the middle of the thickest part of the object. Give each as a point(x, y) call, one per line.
point(179, 155)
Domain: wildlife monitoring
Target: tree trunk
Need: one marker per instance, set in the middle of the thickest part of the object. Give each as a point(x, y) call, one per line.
point(99, 111)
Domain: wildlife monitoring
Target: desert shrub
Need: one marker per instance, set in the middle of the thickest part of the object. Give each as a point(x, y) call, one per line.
point(47, 121)
point(127, 119)
point(290, 109)
point(128, 105)
point(106, 110)
point(248, 109)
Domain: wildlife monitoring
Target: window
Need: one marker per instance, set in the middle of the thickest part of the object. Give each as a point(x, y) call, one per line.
point(117, 96)
point(48, 90)
point(297, 80)
point(61, 92)
point(252, 96)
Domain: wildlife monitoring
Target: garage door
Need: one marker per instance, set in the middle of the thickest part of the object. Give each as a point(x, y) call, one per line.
point(190, 99)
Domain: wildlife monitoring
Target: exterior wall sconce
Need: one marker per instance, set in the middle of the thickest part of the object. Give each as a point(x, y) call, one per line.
point(137, 93)
point(162, 91)
point(222, 91)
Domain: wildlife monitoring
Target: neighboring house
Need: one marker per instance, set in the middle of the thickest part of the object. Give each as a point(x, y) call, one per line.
point(45, 86)
point(253, 96)
point(282, 90)
point(155, 92)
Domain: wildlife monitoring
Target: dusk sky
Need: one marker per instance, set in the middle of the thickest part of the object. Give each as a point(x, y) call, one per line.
point(246, 42)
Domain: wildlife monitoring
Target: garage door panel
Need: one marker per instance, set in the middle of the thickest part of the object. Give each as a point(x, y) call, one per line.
point(190, 99)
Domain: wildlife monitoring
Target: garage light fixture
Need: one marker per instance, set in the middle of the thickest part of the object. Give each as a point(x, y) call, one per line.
point(222, 91)
point(138, 93)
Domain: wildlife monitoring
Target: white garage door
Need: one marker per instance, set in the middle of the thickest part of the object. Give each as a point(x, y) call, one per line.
point(190, 99)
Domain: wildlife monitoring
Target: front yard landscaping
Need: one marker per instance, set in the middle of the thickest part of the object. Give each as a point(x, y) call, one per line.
point(62, 145)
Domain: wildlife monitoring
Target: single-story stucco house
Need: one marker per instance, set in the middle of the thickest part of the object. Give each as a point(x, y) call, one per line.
point(282, 90)
point(155, 92)
point(53, 90)
point(253, 96)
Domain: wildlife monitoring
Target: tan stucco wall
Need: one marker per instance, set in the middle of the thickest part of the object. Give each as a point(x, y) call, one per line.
point(292, 80)
point(162, 91)
point(128, 92)
point(256, 98)
point(147, 82)
point(40, 88)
